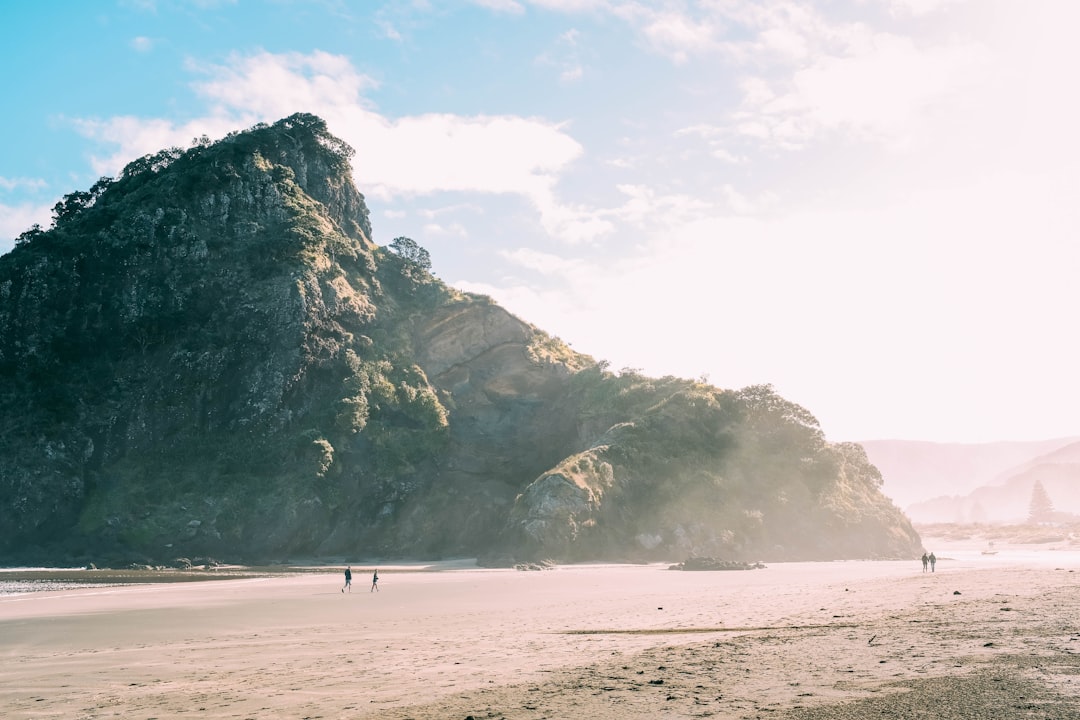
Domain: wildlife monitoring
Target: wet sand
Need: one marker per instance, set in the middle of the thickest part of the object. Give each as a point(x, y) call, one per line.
point(979, 638)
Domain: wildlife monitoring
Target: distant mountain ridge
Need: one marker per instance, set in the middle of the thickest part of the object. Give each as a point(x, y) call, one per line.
point(953, 482)
point(209, 356)
point(1064, 455)
point(1008, 498)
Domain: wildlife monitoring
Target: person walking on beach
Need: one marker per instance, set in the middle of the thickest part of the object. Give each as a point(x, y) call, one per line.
point(933, 562)
point(925, 561)
point(375, 582)
point(348, 579)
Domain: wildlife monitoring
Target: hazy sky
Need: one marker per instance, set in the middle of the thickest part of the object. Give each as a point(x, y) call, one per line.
point(870, 204)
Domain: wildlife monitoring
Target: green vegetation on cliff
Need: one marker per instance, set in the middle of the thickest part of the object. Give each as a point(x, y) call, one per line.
point(209, 356)
point(686, 466)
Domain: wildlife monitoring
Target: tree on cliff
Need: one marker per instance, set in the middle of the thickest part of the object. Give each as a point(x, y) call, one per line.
point(415, 260)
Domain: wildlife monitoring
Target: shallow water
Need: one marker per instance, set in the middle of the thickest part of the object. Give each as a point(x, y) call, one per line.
point(18, 587)
point(21, 580)
point(10, 585)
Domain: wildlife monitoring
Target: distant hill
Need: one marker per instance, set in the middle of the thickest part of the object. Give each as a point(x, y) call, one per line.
point(913, 472)
point(208, 356)
point(1007, 499)
point(1065, 455)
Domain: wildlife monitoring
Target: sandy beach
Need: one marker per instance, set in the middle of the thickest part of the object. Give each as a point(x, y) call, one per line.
point(982, 637)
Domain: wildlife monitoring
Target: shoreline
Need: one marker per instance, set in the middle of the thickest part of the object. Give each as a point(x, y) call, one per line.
point(19, 580)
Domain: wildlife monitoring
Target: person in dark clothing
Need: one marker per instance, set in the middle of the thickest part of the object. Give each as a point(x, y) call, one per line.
point(348, 579)
point(925, 561)
point(933, 562)
point(375, 582)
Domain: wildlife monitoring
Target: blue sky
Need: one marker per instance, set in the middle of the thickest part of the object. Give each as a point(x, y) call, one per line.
point(870, 204)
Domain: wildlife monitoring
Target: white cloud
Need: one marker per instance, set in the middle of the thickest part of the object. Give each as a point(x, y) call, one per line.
point(920, 7)
point(808, 79)
point(572, 74)
point(742, 204)
point(777, 32)
point(452, 209)
point(142, 5)
point(719, 139)
point(388, 30)
point(508, 6)
point(439, 152)
point(17, 219)
point(785, 42)
point(644, 208)
point(412, 155)
point(804, 77)
point(641, 209)
point(573, 6)
point(686, 31)
point(134, 137)
point(885, 92)
point(668, 29)
point(456, 230)
point(276, 85)
point(756, 92)
point(545, 263)
point(564, 57)
point(29, 183)
point(142, 44)
point(679, 36)
point(571, 223)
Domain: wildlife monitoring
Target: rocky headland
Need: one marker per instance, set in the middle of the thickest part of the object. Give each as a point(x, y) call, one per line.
point(210, 356)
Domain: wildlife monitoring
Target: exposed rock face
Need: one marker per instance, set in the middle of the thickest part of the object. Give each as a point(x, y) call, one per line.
point(561, 508)
point(209, 357)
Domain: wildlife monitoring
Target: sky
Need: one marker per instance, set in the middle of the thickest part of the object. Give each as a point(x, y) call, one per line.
point(871, 205)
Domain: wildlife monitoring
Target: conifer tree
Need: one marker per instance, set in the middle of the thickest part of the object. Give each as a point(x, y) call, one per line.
point(1041, 508)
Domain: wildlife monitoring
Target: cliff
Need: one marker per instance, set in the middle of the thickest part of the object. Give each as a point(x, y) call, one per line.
point(208, 356)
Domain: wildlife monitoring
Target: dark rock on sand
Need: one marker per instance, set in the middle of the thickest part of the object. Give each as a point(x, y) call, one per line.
point(708, 563)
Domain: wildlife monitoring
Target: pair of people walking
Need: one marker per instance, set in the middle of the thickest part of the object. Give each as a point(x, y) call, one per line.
point(928, 560)
point(348, 580)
